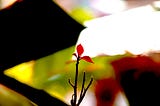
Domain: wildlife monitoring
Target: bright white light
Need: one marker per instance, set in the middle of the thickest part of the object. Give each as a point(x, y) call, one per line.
point(135, 30)
point(88, 100)
point(109, 6)
point(6, 3)
point(121, 100)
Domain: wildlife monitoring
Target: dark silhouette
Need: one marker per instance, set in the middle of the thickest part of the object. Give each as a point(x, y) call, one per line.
point(31, 29)
point(142, 92)
point(140, 79)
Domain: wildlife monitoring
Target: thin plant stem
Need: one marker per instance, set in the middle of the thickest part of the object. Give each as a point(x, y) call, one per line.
point(83, 89)
point(75, 83)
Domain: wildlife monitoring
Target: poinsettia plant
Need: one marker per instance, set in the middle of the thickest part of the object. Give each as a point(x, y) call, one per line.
point(74, 100)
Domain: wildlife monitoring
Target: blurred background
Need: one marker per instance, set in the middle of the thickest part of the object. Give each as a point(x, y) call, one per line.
point(51, 73)
point(83, 10)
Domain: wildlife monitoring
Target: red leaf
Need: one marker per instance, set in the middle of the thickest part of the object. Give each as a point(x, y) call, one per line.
point(80, 49)
point(87, 58)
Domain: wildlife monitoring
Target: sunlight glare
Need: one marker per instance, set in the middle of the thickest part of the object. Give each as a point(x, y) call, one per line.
point(6, 3)
point(109, 6)
point(134, 31)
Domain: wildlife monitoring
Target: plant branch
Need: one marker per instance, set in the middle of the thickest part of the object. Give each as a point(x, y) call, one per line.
point(75, 83)
point(69, 80)
point(84, 93)
point(89, 84)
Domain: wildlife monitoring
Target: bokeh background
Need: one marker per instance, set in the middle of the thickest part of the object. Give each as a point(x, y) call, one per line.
point(51, 73)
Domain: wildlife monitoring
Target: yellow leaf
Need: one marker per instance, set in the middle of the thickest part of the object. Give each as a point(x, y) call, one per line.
point(22, 72)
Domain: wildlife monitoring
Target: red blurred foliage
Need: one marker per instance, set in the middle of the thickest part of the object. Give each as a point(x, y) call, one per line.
point(139, 63)
point(139, 76)
point(106, 91)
